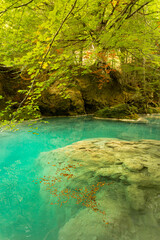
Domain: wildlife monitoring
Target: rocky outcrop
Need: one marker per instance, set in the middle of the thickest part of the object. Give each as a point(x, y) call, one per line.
point(10, 83)
point(55, 101)
point(9, 78)
point(85, 93)
point(81, 95)
point(125, 206)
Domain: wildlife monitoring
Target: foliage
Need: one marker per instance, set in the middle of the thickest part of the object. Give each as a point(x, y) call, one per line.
point(119, 111)
point(48, 37)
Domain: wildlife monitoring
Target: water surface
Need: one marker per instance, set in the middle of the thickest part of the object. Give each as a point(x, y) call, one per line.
point(23, 212)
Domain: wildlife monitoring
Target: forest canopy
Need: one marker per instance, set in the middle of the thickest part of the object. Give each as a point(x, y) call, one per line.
point(60, 38)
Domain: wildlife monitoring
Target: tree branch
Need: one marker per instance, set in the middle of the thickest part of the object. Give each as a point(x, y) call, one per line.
point(146, 14)
point(2, 12)
point(112, 12)
point(25, 4)
point(10, 7)
point(44, 59)
point(129, 6)
point(138, 9)
point(128, 16)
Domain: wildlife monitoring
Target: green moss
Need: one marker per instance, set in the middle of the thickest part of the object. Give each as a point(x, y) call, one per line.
point(119, 111)
point(151, 110)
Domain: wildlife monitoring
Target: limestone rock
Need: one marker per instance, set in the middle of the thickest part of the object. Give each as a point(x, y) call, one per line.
point(135, 197)
point(135, 162)
point(78, 96)
point(55, 102)
point(10, 82)
point(89, 225)
point(130, 196)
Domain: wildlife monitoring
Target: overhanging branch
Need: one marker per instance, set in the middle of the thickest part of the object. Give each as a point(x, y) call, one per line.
point(15, 7)
point(137, 10)
point(44, 59)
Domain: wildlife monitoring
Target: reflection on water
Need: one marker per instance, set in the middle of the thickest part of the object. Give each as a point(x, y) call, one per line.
point(26, 214)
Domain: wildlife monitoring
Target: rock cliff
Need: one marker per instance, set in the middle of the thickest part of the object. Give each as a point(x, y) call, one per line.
point(79, 96)
point(83, 94)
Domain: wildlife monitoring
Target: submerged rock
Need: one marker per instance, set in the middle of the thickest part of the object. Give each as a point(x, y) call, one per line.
point(130, 162)
point(89, 225)
point(128, 202)
point(136, 197)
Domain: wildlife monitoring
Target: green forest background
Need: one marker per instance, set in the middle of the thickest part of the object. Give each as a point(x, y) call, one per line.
point(59, 45)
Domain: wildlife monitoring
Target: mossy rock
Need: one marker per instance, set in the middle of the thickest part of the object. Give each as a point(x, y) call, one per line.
point(151, 110)
point(120, 111)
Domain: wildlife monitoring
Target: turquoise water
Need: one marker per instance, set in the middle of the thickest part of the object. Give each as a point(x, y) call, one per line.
point(23, 213)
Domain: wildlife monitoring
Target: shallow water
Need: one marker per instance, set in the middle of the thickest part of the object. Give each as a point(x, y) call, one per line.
point(24, 214)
